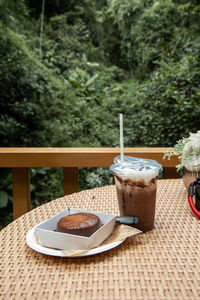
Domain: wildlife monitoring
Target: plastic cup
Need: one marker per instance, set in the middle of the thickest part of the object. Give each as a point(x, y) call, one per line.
point(136, 185)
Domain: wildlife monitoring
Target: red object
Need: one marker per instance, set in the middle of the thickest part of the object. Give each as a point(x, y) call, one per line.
point(195, 211)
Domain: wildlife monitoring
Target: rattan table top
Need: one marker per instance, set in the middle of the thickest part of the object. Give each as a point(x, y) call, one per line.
point(161, 264)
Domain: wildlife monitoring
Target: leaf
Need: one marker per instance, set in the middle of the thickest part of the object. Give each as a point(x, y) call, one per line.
point(32, 187)
point(3, 199)
point(91, 80)
point(41, 171)
point(75, 82)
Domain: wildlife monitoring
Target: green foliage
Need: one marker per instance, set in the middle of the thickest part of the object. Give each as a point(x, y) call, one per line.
point(5, 187)
point(177, 150)
point(5, 197)
point(65, 45)
point(30, 96)
point(45, 185)
point(94, 177)
point(148, 31)
point(13, 13)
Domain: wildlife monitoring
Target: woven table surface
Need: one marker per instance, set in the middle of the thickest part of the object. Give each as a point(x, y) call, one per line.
point(161, 264)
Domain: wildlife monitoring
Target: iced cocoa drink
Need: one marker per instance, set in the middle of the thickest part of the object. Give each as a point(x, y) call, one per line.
point(136, 185)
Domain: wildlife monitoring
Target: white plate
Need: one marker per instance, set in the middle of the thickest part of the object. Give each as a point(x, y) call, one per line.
point(32, 243)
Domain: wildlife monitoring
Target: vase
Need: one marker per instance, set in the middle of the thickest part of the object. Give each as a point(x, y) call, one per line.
point(189, 177)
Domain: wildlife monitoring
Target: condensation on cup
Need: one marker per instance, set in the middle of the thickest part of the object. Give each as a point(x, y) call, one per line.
point(136, 185)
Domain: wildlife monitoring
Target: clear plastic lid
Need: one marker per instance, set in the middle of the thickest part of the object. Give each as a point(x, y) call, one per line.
point(135, 163)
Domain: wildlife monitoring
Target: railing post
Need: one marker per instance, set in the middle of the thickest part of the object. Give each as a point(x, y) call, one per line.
point(21, 191)
point(70, 178)
point(170, 173)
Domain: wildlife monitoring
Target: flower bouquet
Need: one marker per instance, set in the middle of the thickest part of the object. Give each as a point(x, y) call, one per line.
point(188, 151)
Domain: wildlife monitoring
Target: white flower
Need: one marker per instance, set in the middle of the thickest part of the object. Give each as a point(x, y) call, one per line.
point(191, 152)
point(195, 135)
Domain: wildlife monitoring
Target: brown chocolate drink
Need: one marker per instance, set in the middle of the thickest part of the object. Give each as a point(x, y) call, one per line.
point(136, 185)
point(136, 198)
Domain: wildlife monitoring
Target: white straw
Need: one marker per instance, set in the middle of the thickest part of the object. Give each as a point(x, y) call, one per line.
point(121, 138)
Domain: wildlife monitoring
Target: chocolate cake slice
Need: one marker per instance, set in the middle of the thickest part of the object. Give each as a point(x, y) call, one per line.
point(84, 224)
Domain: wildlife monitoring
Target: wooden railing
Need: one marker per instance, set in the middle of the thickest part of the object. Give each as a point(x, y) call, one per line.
point(70, 159)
